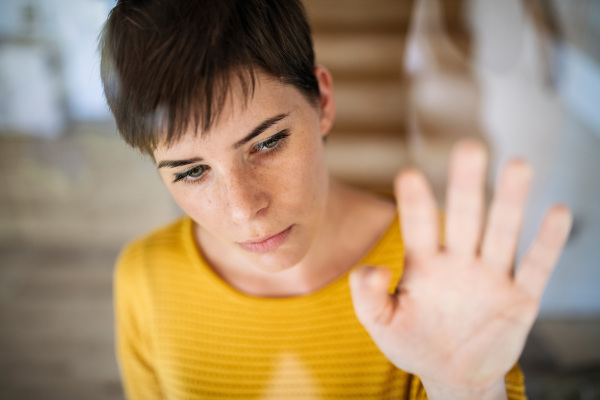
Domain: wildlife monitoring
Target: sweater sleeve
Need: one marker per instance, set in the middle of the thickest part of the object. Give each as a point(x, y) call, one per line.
point(515, 384)
point(133, 327)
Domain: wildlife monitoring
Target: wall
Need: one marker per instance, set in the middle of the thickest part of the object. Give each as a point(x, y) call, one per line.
point(541, 108)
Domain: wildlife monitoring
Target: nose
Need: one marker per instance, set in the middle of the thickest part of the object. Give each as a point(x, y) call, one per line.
point(245, 195)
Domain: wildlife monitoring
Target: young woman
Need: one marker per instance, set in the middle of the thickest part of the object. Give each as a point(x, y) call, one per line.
point(266, 289)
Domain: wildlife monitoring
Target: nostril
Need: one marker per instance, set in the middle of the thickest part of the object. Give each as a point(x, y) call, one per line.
point(262, 211)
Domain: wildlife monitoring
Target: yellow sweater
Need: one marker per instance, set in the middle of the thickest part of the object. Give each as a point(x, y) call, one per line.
point(183, 333)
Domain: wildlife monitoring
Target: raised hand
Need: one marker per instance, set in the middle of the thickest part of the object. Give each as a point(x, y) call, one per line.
point(460, 317)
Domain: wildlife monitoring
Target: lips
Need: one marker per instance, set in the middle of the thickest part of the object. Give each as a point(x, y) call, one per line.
point(266, 244)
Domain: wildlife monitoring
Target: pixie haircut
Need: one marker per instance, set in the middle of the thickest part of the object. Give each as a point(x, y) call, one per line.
point(168, 65)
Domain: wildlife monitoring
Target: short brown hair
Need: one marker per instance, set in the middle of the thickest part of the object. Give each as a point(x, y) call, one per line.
point(169, 64)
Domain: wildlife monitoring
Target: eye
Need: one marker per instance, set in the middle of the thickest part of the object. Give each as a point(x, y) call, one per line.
point(196, 172)
point(191, 175)
point(271, 143)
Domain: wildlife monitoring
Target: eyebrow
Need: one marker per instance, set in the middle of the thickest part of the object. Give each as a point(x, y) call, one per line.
point(178, 163)
point(266, 124)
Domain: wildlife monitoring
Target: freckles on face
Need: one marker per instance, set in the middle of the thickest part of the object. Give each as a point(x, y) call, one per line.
point(275, 180)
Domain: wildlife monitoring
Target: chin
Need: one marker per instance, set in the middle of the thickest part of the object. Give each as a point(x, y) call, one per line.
point(278, 261)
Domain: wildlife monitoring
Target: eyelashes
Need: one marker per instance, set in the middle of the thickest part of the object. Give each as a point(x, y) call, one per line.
point(265, 148)
point(191, 174)
point(272, 144)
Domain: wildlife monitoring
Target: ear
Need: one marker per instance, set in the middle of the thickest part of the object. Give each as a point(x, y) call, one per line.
point(326, 102)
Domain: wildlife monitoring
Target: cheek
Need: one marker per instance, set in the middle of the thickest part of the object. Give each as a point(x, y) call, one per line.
point(304, 180)
point(199, 205)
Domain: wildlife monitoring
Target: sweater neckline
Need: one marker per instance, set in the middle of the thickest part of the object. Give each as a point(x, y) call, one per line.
point(341, 282)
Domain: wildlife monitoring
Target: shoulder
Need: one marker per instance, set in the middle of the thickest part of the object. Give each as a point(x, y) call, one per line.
point(163, 243)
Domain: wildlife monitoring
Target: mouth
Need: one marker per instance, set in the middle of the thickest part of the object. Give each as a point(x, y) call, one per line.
point(267, 243)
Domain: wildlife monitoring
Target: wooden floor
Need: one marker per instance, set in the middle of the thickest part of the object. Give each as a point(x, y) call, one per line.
point(56, 333)
point(56, 324)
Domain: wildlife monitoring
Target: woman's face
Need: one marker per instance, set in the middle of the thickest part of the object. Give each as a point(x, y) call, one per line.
point(256, 184)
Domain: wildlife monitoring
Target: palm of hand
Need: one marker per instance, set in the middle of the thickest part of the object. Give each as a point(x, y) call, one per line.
point(459, 318)
point(463, 322)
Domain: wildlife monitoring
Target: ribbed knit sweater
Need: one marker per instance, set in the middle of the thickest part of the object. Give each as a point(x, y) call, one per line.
point(183, 333)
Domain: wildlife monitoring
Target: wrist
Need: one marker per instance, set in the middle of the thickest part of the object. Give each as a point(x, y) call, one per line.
point(435, 391)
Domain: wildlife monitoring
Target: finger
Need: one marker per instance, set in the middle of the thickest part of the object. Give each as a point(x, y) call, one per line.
point(538, 263)
point(418, 214)
point(506, 216)
point(464, 203)
point(372, 301)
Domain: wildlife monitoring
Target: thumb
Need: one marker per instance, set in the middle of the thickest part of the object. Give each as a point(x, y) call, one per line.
point(372, 302)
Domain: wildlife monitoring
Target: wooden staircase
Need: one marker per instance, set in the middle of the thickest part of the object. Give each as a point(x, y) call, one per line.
point(363, 43)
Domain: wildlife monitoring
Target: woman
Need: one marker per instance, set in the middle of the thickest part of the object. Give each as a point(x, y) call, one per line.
point(259, 290)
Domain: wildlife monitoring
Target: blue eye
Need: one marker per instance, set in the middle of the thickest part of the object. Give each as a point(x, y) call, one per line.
point(269, 144)
point(191, 175)
point(196, 172)
point(272, 142)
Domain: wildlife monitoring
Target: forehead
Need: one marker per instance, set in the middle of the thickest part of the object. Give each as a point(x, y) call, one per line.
point(241, 113)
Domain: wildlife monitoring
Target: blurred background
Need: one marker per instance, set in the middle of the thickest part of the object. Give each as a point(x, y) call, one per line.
point(411, 77)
